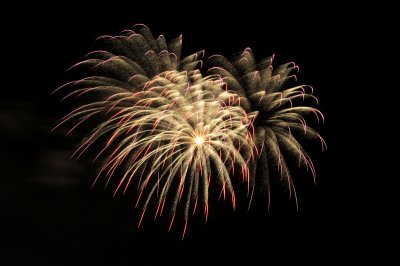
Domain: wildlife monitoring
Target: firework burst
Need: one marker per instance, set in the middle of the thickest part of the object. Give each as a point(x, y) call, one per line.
point(259, 87)
point(160, 124)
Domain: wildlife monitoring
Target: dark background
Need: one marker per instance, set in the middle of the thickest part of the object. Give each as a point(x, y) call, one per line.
point(50, 216)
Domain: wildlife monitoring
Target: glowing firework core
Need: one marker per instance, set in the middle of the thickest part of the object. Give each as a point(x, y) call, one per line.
point(199, 140)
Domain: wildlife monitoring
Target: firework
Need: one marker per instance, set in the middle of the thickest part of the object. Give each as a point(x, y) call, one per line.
point(160, 124)
point(171, 132)
point(259, 87)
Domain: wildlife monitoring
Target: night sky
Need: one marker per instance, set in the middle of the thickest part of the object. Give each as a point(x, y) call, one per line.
point(51, 216)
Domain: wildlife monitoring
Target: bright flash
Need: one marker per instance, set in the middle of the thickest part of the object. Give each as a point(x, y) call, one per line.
point(199, 140)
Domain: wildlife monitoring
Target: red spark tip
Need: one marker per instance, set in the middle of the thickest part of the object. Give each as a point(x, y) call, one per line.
point(141, 25)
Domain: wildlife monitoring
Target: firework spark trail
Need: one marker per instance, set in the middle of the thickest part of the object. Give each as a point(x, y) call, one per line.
point(280, 116)
point(164, 125)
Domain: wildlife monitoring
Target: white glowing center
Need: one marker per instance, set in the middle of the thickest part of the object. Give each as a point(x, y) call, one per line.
point(199, 140)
